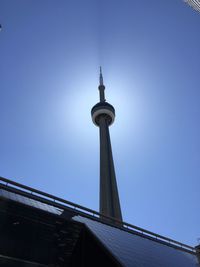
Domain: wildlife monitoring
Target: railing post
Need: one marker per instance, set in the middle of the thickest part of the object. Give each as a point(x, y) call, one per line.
point(198, 252)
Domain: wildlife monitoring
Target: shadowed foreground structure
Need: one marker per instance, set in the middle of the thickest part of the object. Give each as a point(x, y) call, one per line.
point(38, 229)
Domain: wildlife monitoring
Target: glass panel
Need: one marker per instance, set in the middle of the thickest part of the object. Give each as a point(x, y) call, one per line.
point(133, 250)
point(30, 202)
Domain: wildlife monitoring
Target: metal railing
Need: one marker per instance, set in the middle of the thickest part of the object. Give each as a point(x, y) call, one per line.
point(61, 203)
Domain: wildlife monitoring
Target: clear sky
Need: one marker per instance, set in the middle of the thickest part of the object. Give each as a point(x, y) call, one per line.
point(50, 52)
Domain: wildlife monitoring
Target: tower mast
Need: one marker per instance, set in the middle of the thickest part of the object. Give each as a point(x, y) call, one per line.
point(103, 115)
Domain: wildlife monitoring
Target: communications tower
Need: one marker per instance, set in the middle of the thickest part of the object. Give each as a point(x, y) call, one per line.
point(103, 115)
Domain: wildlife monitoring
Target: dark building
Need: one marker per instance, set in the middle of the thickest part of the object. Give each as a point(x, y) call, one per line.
point(39, 229)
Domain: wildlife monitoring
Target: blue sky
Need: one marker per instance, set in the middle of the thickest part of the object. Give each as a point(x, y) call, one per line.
point(50, 53)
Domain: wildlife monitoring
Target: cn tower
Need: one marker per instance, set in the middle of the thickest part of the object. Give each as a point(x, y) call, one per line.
point(103, 115)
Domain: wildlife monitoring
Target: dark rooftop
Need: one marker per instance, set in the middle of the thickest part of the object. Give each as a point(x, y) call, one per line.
point(129, 244)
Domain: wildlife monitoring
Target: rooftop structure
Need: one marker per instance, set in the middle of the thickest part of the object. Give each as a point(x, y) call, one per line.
point(39, 229)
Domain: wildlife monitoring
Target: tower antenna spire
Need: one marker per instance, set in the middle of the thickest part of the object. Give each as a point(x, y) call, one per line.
point(101, 87)
point(101, 77)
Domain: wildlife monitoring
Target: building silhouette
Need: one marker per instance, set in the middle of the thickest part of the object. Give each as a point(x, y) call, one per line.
point(39, 229)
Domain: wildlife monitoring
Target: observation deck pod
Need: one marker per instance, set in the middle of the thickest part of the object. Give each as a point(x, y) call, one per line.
point(105, 109)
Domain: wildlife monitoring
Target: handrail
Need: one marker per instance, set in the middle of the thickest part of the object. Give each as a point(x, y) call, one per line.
point(46, 194)
point(107, 219)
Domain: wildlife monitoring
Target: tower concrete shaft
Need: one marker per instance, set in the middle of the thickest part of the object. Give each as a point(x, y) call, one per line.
point(109, 197)
point(103, 115)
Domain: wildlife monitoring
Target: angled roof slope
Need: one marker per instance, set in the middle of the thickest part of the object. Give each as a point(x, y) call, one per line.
point(136, 251)
point(29, 202)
